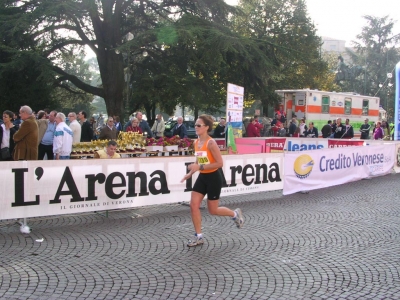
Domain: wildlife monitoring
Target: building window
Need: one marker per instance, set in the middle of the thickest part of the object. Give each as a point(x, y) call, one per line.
point(347, 106)
point(365, 107)
point(325, 104)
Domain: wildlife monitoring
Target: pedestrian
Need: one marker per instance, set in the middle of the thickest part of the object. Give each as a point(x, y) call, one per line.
point(349, 132)
point(252, 130)
point(75, 127)
point(219, 131)
point(108, 132)
point(303, 127)
point(46, 136)
point(134, 127)
point(378, 132)
point(180, 128)
point(26, 138)
point(327, 130)
point(144, 125)
point(364, 129)
point(87, 131)
point(311, 132)
point(62, 144)
point(208, 163)
point(7, 131)
point(292, 126)
point(158, 127)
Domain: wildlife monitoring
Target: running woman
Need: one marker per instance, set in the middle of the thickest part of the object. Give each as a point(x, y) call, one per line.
point(208, 161)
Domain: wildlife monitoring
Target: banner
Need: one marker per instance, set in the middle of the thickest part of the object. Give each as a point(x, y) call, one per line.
point(396, 166)
point(328, 167)
point(306, 144)
point(43, 188)
point(234, 108)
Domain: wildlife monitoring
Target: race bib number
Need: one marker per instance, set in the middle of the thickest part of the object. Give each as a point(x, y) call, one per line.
point(202, 158)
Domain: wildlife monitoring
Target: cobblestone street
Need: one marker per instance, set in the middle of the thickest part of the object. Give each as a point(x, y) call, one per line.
point(337, 243)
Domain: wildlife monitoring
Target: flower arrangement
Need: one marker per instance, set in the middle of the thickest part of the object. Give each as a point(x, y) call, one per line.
point(172, 141)
point(185, 143)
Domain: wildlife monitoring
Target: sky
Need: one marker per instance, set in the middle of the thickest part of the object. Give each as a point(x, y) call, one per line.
point(343, 19)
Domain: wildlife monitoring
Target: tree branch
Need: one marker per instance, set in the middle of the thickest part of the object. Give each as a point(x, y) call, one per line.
point(62, 44)
point(79, 83)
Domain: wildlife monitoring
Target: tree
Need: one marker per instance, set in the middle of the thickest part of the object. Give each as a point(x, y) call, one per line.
point(67, 26)
point(377, 50)
point(290, 41)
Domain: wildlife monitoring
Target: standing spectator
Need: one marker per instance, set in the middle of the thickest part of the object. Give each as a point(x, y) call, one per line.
point(349, 131)
point(46, 136)
point(75, 127)
point(62, 144)
point(180, 128)
point(266, 122)
point(87, 131)
point(144, 125)
point(297, 132)
point(364, 129)
point(134, 127)
point(108, 132)
point(100, 121)
point(158, 127)
point(327, 130)
point(386, 130)
point(303, 127)
point(251, 129)
point(26, 138)
point(275, 124)
point(339, 129)
point(258, 125)
point(17, 120)
point(7, 131)
point(117, 124)
point(311, 132)
point(109, 151)
point(378, 132)
point(292, 126)
point(282, 130)
point(219, 131)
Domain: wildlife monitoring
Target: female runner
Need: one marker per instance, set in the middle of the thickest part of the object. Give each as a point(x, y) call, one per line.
point(208, 162)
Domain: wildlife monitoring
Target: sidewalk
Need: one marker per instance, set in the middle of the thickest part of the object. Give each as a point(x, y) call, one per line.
point(337, 243)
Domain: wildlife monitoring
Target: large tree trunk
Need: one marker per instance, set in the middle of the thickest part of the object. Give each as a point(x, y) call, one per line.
point(112, 76)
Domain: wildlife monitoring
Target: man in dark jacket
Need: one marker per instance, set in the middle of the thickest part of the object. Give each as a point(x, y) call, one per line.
point(87, 131)
point(339, 129)
point(365, 128)
point(311, 132)
point(144, 125)
point(292, 127)
point(219, 131)
point(180, 128)
point(327, 130)
point(349, 131)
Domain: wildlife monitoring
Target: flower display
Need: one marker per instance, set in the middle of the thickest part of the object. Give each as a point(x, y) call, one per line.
point(172, 141)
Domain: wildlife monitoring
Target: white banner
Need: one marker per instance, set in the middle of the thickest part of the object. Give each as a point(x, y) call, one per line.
point(327, 167)
point(42, 188)
point(396, 166)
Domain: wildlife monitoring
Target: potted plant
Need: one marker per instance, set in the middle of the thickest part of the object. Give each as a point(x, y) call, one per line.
point(154, 145)
point(171, 144)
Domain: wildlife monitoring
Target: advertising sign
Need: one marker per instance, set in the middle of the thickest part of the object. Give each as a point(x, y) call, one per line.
point(42, 188)
point(328, 167)
point(234, 108)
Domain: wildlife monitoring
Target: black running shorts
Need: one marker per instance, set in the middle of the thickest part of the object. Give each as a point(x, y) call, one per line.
point(209, 184)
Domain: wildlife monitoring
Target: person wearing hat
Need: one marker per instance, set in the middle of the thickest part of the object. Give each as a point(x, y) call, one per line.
point(364, 129)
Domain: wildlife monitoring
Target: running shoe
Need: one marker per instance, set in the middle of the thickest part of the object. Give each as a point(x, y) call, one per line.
point(197, 241)
point(239, 220)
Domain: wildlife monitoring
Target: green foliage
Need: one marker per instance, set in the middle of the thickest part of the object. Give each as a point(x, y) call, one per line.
point(377, 50)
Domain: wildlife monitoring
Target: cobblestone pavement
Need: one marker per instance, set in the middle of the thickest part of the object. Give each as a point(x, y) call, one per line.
point(337, 243)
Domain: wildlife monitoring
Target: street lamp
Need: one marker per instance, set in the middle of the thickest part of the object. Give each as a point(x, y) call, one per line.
point(129, 37)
